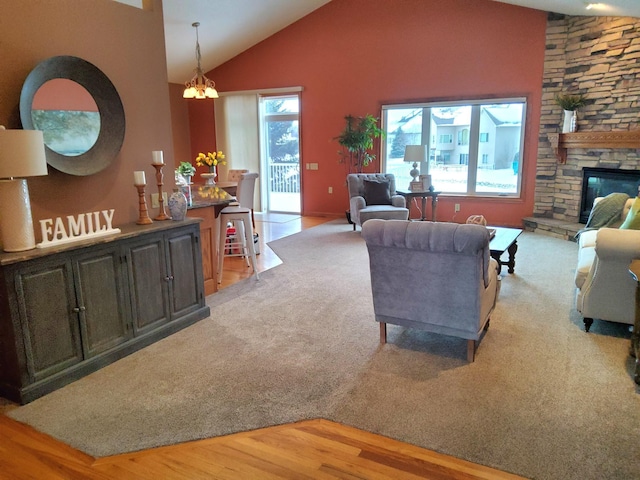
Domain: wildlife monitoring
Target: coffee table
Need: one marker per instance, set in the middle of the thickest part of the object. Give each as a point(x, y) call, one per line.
point(505, 239)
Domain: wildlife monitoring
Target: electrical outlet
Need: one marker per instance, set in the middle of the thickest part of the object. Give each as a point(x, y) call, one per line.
point(154, 200)
point(457, 207)
point(330, 189)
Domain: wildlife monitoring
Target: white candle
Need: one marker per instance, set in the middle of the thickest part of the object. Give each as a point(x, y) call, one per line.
point(138, 178)
point(157, 157)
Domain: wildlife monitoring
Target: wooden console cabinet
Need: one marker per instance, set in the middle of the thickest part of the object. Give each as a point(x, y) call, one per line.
point(68, 311)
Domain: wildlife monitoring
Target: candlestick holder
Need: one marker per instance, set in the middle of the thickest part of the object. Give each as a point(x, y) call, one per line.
point(159, 179)
point(143, 219)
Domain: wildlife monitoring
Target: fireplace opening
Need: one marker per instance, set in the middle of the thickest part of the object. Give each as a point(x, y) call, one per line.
point(599, 182)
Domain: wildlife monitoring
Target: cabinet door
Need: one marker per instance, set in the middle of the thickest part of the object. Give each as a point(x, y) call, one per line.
point(184, 259)
point(149, 284)
point(100, 290)
point(46, 298)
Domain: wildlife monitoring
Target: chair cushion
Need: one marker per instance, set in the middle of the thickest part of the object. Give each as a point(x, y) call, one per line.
point(376, 192)
point(632, 222)
point(383, 212)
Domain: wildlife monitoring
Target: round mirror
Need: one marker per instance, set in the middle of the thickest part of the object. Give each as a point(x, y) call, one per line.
point(67, 115)
point(79, 112)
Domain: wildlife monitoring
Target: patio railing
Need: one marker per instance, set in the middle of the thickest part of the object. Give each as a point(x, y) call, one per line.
point(285, 177)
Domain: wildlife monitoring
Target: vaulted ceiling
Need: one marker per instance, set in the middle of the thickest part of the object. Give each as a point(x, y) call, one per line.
point(228, 27)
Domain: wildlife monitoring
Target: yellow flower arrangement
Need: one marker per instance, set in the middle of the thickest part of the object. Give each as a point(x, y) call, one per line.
point(210, 159)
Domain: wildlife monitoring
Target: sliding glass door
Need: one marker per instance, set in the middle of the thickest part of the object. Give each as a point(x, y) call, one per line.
point(280, 153)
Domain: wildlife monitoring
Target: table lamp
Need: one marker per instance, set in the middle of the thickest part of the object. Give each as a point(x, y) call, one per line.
point(21, 155)
point(415, 154)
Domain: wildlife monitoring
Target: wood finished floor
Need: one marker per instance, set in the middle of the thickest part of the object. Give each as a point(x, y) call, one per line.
point(313, 449)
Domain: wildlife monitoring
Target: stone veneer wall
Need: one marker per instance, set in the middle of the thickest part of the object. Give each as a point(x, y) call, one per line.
point(598, 56)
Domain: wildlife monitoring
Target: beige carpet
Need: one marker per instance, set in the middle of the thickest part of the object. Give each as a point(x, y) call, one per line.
point(543, 399)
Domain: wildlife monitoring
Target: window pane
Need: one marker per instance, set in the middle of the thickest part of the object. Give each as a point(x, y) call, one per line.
point(500, 146)
point(403, 127)
point(449, 171)
point(281, 105)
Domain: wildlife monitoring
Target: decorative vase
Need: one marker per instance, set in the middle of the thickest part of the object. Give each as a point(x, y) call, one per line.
point(210, 178)
point(177, 206)
point(569, 123)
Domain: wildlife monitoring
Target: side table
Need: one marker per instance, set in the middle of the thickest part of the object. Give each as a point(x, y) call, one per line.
point(634, 348)
point(423, 195)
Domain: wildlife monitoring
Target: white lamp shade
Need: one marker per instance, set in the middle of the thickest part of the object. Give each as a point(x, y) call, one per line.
point(210, 92)
point(415, 153)
point(22, 154)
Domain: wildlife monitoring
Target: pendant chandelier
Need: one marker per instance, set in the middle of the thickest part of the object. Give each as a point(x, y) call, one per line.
point(199, 86)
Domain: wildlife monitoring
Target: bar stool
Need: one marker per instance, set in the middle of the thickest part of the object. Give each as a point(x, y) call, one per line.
point(240, 215)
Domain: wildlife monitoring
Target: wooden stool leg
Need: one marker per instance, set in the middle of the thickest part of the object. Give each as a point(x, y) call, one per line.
point(383, 332)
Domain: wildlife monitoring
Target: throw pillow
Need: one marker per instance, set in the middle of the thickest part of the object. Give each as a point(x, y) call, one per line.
point(632, 222)
point(376, 192)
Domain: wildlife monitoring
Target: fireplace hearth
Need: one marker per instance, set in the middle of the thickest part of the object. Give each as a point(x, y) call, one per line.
point(599, 182)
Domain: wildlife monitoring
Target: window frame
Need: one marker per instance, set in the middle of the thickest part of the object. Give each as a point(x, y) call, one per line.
point(475, 156)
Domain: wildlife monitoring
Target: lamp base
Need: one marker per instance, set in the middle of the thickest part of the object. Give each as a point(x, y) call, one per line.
point(16, 223)
point(414, 172)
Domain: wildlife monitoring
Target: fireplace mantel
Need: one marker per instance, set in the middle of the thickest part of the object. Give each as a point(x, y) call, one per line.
point(563, 141)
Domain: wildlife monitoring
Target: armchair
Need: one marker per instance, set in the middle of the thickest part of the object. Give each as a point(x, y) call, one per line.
point(449, 282)
point(373, 195)
point(604, 287)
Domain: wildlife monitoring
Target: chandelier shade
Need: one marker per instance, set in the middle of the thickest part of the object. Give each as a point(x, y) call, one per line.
point(199, 86)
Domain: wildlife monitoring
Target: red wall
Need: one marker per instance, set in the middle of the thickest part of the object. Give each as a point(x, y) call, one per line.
point(352, 56)
point(63, 94)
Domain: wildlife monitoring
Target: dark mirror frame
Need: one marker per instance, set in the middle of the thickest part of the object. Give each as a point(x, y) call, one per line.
point(112, 122)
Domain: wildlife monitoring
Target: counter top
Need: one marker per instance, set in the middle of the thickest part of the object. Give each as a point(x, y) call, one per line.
point(208, 196)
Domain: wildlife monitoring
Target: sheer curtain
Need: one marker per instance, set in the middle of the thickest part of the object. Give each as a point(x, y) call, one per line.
point(238, 134)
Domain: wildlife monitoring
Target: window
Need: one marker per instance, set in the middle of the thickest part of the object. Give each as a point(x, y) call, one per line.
point(489, 138)
point(463, 137)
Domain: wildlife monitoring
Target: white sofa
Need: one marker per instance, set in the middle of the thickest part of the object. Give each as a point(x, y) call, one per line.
point(606, 290)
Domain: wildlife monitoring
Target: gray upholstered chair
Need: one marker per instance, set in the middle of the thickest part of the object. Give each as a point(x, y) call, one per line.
point(373, 195)
point(437, 277)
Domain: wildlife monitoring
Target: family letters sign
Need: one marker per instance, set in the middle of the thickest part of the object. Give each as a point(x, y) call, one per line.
point(80, 227)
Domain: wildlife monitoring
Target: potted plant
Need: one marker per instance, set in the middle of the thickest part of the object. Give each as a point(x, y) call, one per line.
point(357, 141)
point(570, 103)
point(186, 170)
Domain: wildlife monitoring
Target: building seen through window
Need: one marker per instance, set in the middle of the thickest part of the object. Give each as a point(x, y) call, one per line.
point(485, 158)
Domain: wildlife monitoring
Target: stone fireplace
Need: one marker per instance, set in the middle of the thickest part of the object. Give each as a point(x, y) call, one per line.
point(600, 57)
